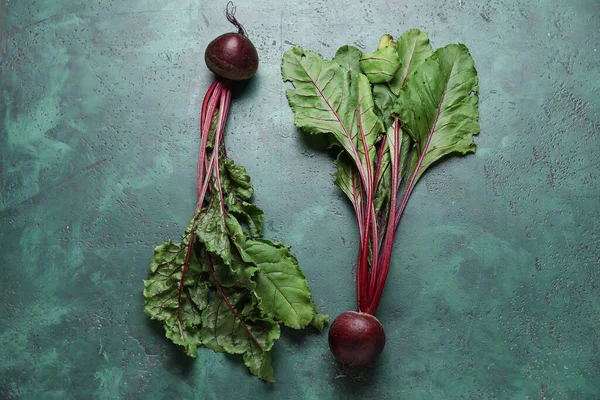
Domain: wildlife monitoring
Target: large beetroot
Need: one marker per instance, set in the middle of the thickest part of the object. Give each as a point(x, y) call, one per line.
point(393, 113)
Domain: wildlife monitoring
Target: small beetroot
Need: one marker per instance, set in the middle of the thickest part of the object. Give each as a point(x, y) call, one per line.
point(356, 338)
point(232, 55)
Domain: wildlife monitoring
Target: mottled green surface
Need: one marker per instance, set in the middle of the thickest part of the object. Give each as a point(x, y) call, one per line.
point(494, 291)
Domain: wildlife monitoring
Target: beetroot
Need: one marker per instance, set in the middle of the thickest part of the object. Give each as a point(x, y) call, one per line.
point(356, 338)
point(232, 55)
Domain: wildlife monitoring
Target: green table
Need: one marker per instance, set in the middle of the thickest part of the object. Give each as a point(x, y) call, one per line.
point(494, 291)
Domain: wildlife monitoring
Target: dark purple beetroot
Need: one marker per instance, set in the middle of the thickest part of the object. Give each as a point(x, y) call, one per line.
point(356, 338)
point(232, 56)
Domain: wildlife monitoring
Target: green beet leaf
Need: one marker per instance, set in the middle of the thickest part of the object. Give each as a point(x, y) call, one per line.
point(239, 274)
point(319, 321)
point(369, 125)
point(326, 100)
point(248, 212)
point(280, 284)
point(321, 96)
point(347, 178)
point(161, 292)
point(439, 107)
point(226, 259)
point(384, 99)
point(230, 324)
point(212, 232)
point(426, 103)
point(240, 180)
point(348, 57)
point(259, 363)
point(380, 66)
point(413, 48)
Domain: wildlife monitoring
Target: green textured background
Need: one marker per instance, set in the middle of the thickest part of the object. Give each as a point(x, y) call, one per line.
point(494, 291)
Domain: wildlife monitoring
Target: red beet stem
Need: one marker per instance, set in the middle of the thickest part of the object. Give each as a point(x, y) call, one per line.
point(376, 244)
point(225, 100)
point(203, 181)
point(224, 108)
point(362, 271)
point(208, 110)
point(381, 269)
point(218, 92)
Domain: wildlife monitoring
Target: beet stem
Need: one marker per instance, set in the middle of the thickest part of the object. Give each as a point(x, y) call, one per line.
point(224, 89)
point(186, 263)
point(207, 98)
point(225, 101)
point(202, 161)
point(363, 269)
point(217, 92)
point(208, 109)
point(223, 110)
point(358, 205)
point(381, 269)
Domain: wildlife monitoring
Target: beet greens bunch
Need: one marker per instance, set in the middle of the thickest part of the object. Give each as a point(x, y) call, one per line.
point(393, 113)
